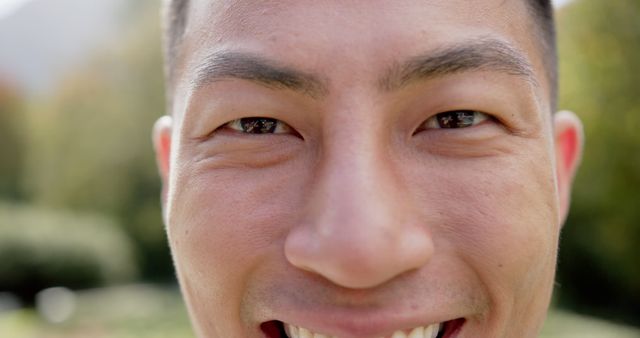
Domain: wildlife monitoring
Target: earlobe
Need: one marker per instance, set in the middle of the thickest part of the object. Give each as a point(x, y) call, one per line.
point(162, 145)
point(569, 138)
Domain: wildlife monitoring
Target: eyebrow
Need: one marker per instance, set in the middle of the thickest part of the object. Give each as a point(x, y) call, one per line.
point(480, 55)
point(229, 64)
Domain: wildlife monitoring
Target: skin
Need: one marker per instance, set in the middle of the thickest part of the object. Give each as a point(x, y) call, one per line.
point(361, 221)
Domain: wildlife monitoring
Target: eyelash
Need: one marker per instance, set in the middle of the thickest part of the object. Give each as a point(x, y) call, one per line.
point(455, 119)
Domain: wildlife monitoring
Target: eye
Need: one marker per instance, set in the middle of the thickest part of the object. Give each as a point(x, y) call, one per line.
point(455, 119)
point(259, 125)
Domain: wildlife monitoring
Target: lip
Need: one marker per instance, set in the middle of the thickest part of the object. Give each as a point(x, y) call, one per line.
point(360, 324)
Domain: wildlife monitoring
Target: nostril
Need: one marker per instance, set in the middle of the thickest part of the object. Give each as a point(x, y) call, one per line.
point(273, 329)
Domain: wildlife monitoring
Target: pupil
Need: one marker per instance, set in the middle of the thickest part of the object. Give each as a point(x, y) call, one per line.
point(456, 119)
point(258, 125)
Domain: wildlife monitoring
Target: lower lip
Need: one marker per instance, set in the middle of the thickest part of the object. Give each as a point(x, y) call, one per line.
point(275, 329)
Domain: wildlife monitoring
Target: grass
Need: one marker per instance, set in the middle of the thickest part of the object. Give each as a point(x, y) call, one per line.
point(144, 311)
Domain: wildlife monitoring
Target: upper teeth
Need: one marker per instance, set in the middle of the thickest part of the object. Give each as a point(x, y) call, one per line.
point(430, 331)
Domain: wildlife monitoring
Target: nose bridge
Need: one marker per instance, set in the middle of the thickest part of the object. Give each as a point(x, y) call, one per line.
point(354, 185)
point(355, 188)
point(356, 230)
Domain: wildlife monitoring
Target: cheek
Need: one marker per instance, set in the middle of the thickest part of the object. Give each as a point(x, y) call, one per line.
point(225, 222)
point(497, 216)
point(509, 219)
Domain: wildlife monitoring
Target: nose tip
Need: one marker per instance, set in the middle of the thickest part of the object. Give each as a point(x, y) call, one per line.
point(358, 260)
point(359, 235)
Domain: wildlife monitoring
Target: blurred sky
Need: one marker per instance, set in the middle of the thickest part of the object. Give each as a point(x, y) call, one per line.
point(8, 6)
point(36, 57)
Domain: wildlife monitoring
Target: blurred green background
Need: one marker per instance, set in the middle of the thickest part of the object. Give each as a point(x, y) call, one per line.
point(79, 191)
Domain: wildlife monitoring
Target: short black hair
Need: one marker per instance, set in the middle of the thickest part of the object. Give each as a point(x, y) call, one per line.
point(175, 22)
point(543, 13)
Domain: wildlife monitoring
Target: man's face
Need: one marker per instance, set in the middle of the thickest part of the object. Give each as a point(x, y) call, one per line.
point(362, 168)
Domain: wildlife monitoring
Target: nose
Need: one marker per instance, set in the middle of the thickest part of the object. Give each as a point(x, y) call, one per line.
point(358, 229)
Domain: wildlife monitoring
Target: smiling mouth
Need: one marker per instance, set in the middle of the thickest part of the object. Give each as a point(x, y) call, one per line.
point(449, 329)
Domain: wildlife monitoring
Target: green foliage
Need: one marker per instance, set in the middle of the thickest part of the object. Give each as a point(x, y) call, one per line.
point(11, 141)
point(599, 45)
point(89, 146)
point(41, 248)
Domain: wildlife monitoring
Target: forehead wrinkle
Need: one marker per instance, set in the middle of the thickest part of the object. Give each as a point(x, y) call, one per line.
point(481, 55)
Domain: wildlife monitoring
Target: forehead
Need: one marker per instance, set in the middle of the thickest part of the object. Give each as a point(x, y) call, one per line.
point(327, 36)
point(433, 12)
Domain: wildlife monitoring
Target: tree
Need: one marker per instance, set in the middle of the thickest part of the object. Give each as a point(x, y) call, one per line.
point(90, 143)
point(11, 141)
point(599, 45)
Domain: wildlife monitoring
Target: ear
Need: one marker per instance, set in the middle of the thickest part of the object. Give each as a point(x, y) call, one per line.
point(569, 140)
point(162, 145)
